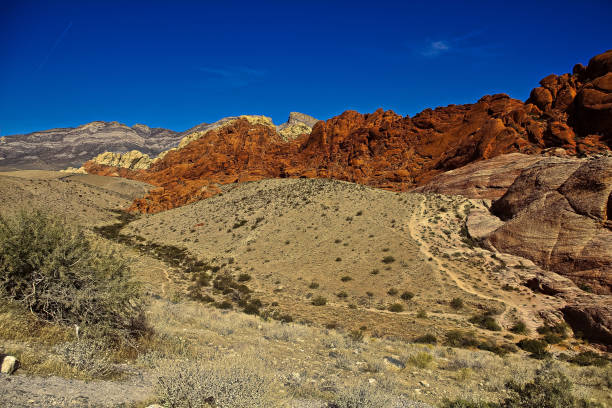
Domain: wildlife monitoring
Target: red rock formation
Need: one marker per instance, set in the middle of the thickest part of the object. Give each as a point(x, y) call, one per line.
point(386, 150)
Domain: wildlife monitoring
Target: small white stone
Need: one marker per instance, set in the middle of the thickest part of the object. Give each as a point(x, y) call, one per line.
point(9, 365)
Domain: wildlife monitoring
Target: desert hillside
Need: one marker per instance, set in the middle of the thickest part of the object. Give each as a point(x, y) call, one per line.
point(339, 283)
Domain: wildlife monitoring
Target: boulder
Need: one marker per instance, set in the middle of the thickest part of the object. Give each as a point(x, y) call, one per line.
point(8, 364)
point(557, 216)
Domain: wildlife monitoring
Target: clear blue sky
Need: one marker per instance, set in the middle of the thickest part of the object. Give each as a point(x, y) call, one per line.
point(180, 63)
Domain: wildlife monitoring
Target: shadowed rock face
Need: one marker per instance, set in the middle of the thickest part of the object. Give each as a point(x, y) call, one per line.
point(557, 215)
point(56, 149)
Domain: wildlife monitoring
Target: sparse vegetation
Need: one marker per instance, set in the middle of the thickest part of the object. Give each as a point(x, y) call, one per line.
point(426, 339)
point(319, 301)
point(388, 259)
point(537, 348)
point(485, 321)
point(396, 308)
point(406, 295)
point(456, 303)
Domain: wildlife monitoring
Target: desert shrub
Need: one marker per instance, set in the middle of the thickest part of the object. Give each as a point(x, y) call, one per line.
point(549, 389)
point(342, 294)
point(589, 358)
point(319, 301)
point(54, 271)
point(460, 338)
point(91, 357)
point(426, 339)
point(356, 335)
point(421, 314)
point(392, 292)
point(519, 328)
point(244, 277)
point(361, 396)
point(456, 303)
point(553, 334)
point(346, 278)
point(537, 348)
point(499, 349)
point(421, 360)
point(221, 383)
point(313, 285)
point(396, 308)
point(461, 403)
point(252, 308)
point(388, 259)
point(223, 305)
point(407, 295)
point(486, 321)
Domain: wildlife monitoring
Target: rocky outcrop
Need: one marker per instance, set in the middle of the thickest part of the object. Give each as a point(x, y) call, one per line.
point(589, 314)
point(133, 160)
point(488, 179)
point(556, 214)
point(60, 148)
point(298, 124)
point(579, 104)
point(196, 133)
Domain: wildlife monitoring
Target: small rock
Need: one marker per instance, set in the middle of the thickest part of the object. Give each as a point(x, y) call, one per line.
point(424, 383)
point(155, 406)
point(394, 362)
point(9, 364)
point(372, 381)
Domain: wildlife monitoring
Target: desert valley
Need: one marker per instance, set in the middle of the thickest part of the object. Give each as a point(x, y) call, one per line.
point(461, 257)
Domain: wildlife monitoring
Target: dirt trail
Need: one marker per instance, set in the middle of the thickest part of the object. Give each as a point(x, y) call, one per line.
point(19, 391)
point(425, 248)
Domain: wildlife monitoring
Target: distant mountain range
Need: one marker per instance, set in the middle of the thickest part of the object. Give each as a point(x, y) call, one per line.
point(56, 149)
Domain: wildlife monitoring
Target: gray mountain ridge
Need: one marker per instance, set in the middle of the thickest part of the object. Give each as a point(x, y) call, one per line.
point(59, 148)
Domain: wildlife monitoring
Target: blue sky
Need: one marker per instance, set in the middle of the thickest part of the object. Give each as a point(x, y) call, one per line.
point(177, 64)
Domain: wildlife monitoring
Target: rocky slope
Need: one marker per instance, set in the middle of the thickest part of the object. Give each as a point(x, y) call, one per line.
point(63, 147)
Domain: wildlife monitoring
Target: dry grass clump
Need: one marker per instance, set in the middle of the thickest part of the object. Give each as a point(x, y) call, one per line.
point(362, 395)
point(222, 382)
point(91, 357)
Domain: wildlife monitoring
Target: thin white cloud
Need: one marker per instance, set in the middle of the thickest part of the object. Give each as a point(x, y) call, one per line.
point(57, 42)
point(461, 44)
point(234, 77)
point(436, 48)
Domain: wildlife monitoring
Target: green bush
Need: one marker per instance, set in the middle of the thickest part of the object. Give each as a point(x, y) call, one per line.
point(589, 358)
point(519, 328)
point(54, 271)
point(407, 295)
point(549, 389)
point(485, 321)
point(388, 259)
point(537, 348)
point(244, 277)
point(426, 339)
point(396, 308)
point(456, 303)
point(459, 338)
point(319, 301)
